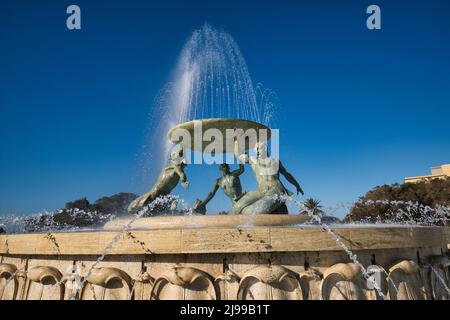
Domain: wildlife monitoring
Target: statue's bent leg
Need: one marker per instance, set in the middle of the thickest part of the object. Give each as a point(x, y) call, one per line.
point(148, 198)
point(140, 202)
point(265, 205)
point(134, 205)
point(244, 201)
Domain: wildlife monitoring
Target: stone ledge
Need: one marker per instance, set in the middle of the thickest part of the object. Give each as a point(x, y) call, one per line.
point(222, 240)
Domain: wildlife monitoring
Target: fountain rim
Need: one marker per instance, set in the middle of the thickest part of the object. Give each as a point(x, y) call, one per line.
point(223, 239)
point(207, 221)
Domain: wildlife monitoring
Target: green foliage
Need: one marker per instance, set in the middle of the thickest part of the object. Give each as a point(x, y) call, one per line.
point(313, 205)
point(379, 203)
point(116, 204)
point(82, 204)
point(81, 213)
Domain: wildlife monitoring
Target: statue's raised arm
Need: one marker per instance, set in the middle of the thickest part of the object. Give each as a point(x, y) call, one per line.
point(289, 177)
point(238, 171)
point(241, 157)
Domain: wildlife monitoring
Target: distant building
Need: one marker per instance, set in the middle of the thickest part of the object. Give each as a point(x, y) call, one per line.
point(440, 172)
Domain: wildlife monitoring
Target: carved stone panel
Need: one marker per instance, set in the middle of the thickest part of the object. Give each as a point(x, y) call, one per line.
point(343, 281)
point(270, 283)
point(184, 283)
point(310, 283)
point(404, 282)
point(43, 283)
point(107, 284)
point(72, 282)
point(142, 287)
point(227, 285)
point(8, 282)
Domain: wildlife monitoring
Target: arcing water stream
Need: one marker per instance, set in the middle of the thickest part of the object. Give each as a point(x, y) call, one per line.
point(211, 80)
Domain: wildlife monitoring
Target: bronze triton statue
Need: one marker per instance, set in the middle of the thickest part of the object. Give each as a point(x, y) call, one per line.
point(230, 183)
point(265, 199)
point(166, 182)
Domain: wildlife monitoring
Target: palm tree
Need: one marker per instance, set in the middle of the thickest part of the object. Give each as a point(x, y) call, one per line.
point(314, 206)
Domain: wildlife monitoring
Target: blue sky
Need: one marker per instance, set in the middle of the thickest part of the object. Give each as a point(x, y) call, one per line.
point(358, 108)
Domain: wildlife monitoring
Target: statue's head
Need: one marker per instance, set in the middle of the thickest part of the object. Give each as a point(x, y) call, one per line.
point(177, 155)
point(261, 150)
point(224, 168)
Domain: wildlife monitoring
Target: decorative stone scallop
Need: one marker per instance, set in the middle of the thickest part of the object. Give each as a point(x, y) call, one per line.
point(8, 281)
point(343, 281)
point(405, 282)
point(43, 283)
point(270, 283)
point(107, 284)
point(184, 283)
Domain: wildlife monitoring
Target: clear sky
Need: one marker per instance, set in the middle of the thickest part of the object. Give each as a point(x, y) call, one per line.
point(358, 108)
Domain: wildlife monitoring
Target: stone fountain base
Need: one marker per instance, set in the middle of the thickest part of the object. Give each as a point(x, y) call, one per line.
point(222, 257)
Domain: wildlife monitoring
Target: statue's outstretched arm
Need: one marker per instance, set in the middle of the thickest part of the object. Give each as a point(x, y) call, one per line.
point(238, 171)
point(200, 206)
point(211, 194)
point(290, 178)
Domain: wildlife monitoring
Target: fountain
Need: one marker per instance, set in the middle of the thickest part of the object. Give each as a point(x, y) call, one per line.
point(256, 251)
point(234, 256)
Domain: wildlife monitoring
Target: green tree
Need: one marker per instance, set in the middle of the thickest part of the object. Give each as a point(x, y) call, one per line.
point(82, 204)
point(379, 203)
point(314, 206)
